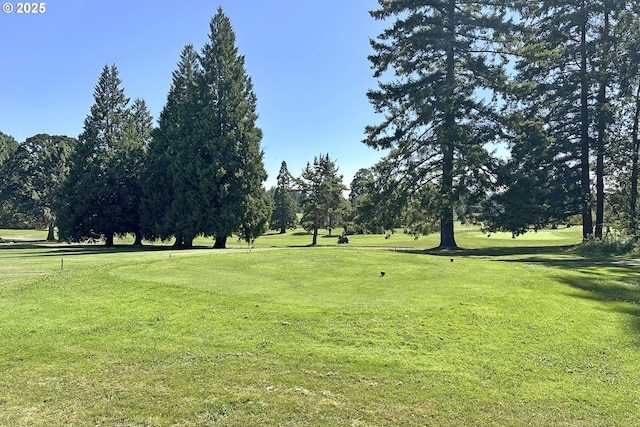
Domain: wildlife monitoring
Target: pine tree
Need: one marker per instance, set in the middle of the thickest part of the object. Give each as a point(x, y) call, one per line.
point(568, 71)
point(229, 167)
point(436, 127)
point(284, 213)
point(322, 189)
point(168, 179)
point(98, 198)
point(138, 137)
point(257, 210)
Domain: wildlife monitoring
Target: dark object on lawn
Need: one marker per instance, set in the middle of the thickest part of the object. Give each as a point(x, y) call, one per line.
point(382, 273)
point(451, 259)
point(343, 238)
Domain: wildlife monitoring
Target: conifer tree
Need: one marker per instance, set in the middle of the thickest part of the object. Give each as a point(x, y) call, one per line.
point(229, 169)
point(257, 210)
point(436, 126)
point(168, 180)
point(138, 137)
point(284, 212)
point(99, 197)
point(322, 189)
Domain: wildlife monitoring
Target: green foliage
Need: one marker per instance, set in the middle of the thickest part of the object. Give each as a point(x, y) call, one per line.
point(572, 69)
point(8, 145)
point(284, 212)
point(235, 174)
point(168, 206)
point(11, 175)
point(47, 163)
point(257, 212)
point(206, 153)
point(101, 195)
point(607, 246)
point(374, 204)
point(322, 188)
point(535, 187)
point(436, 126)
point(420, 213)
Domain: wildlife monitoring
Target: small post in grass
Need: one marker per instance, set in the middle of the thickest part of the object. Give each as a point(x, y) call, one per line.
point(61, 265)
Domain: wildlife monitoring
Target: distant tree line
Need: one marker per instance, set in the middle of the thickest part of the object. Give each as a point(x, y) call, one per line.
point(515, 115)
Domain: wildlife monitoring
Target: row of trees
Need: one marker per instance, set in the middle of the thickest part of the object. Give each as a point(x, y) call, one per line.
point(555, 83)
point(514, 114)
point(200, 172)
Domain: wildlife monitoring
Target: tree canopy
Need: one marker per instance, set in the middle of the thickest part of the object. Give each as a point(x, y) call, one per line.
point(322, 189)
point(436, 126)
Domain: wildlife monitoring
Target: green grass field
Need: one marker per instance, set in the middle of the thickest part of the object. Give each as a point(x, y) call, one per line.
point(513, 332)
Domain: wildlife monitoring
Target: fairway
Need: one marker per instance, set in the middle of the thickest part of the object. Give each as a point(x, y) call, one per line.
point(300, 336)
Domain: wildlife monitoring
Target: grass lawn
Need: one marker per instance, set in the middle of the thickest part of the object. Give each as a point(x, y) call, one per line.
point(513, 332)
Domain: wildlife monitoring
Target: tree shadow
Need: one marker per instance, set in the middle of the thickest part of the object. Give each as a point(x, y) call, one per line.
point(58, 249)
point(620, 292)
point(497, 251)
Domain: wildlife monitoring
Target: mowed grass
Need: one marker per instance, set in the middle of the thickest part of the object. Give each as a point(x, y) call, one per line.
point(297, 336)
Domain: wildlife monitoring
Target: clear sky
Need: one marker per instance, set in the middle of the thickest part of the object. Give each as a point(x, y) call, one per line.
point(307, 59)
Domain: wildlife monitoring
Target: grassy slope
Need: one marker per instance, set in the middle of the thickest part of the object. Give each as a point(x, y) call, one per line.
point(313, 336)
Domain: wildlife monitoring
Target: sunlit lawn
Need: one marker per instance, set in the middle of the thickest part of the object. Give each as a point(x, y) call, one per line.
point(302, 336)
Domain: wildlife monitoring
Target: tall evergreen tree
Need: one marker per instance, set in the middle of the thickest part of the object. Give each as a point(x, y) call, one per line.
point(437, 127)
point(284, 213)
point(255, 220)
point(567, 69)
point(322, 188)
point(138, 137)
point(168, 180)
point(629, 34)
point(229, 167)
point(621, 113)
point(99, 194)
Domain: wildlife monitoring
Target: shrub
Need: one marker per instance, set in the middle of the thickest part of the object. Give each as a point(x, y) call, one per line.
point(609, 245)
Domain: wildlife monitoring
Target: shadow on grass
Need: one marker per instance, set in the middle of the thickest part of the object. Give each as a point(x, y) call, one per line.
point(534, 252)
point(60, 249)
point(609, 280)
point(619, 291)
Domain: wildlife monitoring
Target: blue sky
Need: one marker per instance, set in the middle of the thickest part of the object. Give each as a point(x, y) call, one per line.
point(307, 59)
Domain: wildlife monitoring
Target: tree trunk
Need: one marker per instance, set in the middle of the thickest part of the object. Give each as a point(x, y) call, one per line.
point(108, 240)
point(587, 219)
point(447, 237)
point(635, 139)
point(50, 234)
point(316, 221)
point(602, 128)
point(138, 241)
point(220, 242)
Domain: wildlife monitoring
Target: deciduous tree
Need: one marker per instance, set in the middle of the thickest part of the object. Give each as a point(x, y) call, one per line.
point(47, 162)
